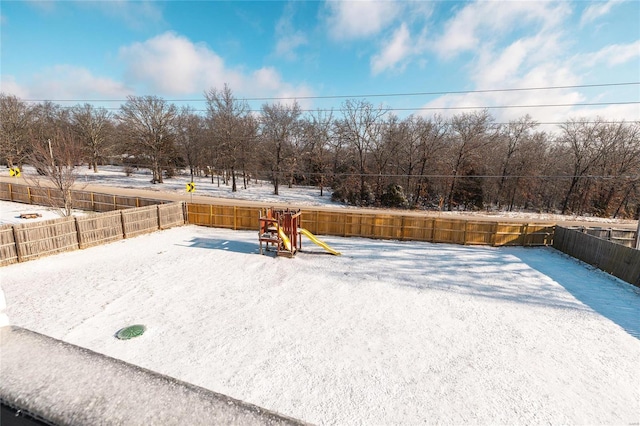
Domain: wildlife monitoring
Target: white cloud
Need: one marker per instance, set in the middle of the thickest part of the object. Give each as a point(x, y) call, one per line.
point(135, 14)
point(489, 21)
point(61, 82)
point(360, 18)
point(596, 10)
point(612, 55)
point(287, 44)
point(289, 39)
point(170, 64)
point(396, 50)
point(547, 74)
point(9, 86)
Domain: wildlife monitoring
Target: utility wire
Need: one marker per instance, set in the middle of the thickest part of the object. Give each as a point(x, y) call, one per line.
point(442, 108)
point(405, 175)
point(371, 95)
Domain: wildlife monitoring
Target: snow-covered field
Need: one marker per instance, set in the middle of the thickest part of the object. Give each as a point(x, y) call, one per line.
point(10, 212)
point(388, 333)
point(114, 176)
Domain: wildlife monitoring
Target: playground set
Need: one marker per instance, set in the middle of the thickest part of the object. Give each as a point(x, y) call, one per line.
point(281, 230)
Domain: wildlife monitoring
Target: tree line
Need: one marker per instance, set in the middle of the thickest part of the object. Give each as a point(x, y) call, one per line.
point(364, 153)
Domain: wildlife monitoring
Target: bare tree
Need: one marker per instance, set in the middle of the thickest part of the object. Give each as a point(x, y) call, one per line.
point(421, 142)
point(15, 121)
point(470, 133)
point(513, 135)
point(56, 151)
point(619, 163)
point(318, 131)
point(247, 146)
point(279, 124)
point(362, 127)
point(190, 131)
point(226, 119)
point(583, 143)
point(93, 126)
point(147, 124)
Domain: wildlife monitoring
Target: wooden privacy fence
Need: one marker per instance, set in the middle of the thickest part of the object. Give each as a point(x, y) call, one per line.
point(625, 237)
point(19, 243)
point(383, 226)
point(618, 260)
point(82, 200)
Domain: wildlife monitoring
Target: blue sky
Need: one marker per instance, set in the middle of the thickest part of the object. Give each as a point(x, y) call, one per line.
point(97, 50)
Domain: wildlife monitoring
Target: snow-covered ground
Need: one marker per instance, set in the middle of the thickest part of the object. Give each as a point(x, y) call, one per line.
point(388, 333)
point(10, 212)
point(114, 176)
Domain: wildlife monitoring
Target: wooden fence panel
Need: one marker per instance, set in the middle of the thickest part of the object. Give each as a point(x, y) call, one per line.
point(8, 253)
point(201, 214)
point(99, 228)
point(222, 217)
point(416, 228)
point(5, 191)
point(83, 200)
point(139, 221)
point(625, 237)
point(104, 203)
point(20, 194)
point(246, 218)
point(449, 231)
point(47, 237)
point(618, 260)
point(509, 234)
point(126, 202)
point(479, 233)
point(364, 223)
point(143, 202)
point(170, 215)
point(538, 235)
point(41, 196)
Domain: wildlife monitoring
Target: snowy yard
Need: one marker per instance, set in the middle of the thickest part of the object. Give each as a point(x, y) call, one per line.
point(388, 333)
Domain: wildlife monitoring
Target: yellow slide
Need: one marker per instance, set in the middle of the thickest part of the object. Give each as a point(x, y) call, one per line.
point(318, 242)
point(285, 239)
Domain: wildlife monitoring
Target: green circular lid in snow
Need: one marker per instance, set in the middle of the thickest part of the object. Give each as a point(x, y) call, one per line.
point(131, 332)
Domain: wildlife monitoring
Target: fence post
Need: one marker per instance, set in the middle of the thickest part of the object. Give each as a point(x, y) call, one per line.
point(637, 244)
point(10, 193)
point(464, 234)
point(494, 234)
point(525, 228)
point(434, 222)
point(124, 228)
point(15, 241)
point(185, 212)
point(344, 225)
point(317, 225)
point(235, 218)
point(78, 232)
point(158, 214)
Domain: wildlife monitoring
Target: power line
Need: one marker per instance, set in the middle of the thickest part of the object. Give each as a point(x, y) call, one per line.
point(442, 108)
point(371, 95)
point(405, 175)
